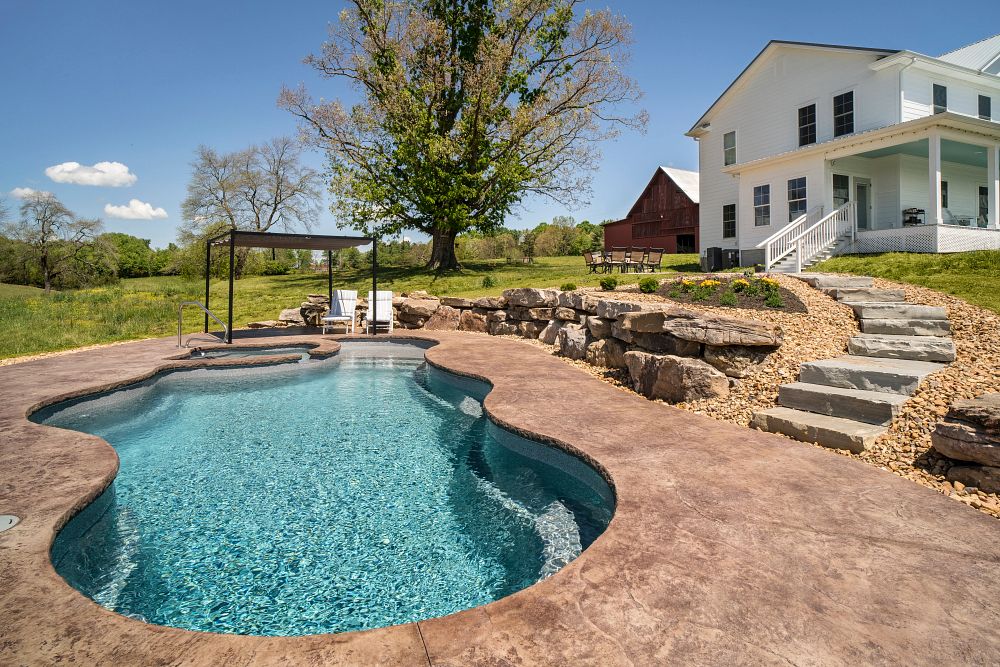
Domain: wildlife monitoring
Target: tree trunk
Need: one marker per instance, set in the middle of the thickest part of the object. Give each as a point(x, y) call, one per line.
point(443, 256)
point(45, 272)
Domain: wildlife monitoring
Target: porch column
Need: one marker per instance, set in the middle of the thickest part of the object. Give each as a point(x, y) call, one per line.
point(934, 215)
point(993, 186)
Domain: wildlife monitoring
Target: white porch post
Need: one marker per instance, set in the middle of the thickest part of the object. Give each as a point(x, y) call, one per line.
point(993, 186)
point(934, 214)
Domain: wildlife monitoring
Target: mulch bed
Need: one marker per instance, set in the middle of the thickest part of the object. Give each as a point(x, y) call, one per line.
point(670, 290)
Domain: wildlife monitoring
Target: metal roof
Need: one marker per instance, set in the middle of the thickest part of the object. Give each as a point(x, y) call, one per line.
point(245, 239)
point(685, 180)
point(978, 56)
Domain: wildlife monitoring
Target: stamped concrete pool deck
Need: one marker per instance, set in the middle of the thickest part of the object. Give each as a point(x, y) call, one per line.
point(728, 546)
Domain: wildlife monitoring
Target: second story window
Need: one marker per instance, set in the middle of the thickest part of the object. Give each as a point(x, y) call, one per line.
point(807, 125)
point(729, 221)
point(729, 148)
point(796, 197)
point(762, 205)
point(985, 107)
point(940, 98)
point(843, 114)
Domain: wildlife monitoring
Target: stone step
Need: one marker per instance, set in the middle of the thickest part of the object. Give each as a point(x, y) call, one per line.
point(894, 376)
point(865, 294)
point(897, 311)
point(919, 348)
point(833, 432)
point(826, 280)
point(871, 407)
point(906, 327)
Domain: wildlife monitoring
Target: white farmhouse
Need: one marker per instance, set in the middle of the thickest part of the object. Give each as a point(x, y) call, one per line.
point(818, 149)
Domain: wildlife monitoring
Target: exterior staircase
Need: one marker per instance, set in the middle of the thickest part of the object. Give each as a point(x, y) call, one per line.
point(847, 402)
point(789, 263)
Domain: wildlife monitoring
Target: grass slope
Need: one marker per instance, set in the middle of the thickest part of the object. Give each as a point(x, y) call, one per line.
point(31, 322)
point(972, 276)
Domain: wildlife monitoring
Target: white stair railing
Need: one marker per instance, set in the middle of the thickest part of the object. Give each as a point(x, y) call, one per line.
point(821, 235)
point(779, 245)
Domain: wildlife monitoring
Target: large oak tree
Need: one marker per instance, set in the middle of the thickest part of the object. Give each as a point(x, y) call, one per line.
point(466, 108)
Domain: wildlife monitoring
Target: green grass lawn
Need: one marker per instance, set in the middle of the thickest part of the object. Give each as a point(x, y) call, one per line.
point(972, 276)
point(31, 322)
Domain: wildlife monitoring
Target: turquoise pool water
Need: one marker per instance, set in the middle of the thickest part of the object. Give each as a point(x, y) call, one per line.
point(356, 492)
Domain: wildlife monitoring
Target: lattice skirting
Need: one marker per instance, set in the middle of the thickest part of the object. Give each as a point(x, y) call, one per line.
point(925, 238)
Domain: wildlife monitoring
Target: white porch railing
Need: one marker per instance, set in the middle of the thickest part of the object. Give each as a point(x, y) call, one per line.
point(778, 245)
point(808, 240)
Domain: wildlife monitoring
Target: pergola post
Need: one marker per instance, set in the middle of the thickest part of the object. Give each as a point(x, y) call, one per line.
point(374, 300)
point(208, 276)
point(934, 211)
point(993, 186)
point(329, 277)
point(232, 270)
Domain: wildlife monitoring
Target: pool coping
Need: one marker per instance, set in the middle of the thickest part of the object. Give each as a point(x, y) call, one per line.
point(727, 546)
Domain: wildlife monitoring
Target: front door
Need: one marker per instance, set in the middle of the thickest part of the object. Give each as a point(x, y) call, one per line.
point(863, 200)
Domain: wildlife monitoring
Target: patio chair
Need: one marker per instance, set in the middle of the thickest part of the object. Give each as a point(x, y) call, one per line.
point(637, 258)
point(653, 259)
point(594, 261)
point(619, 256)
point(345, 301)
point(381, 314)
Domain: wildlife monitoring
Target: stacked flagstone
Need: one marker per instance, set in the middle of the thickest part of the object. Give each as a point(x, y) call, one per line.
point(970, 433)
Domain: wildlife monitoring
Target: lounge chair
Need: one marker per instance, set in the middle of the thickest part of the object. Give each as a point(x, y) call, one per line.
point(345, 301)
point(381, 315)
point(594, 261)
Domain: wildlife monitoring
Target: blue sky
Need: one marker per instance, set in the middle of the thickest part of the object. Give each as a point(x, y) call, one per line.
point(144, 83)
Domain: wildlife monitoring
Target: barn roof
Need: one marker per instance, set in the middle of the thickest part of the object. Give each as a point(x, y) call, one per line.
point(685, 180)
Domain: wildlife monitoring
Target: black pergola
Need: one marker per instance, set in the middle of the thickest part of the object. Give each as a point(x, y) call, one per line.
point(240, 239)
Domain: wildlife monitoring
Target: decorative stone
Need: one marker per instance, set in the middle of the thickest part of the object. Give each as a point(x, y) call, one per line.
point(318, 299)
point(736, 361)
point(573, 340)
point(266, 324)
point(971, 431)
point(473, 320)
point(599, 327)
point(606, 353)
point(526, 314)
point(551, 332)
point(984, 478)
point(496, 316)
point(419, 294)
point(292, 316)
point(610, 310)
point(531, 297)
point(983, 411)
point(445, 318)
point(502, 328)
point(397, 301)
point(579, 301)
point(567, 314)
point(491, 302)
point(700, 328)
point(673, 378)
point(412, 309)
point(656, 342)
point(531, 329)
point(456, 302)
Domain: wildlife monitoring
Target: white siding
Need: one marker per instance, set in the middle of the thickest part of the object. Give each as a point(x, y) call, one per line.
point(777, 177)
point(963, 185)
point(963, 96)
point(716, 189)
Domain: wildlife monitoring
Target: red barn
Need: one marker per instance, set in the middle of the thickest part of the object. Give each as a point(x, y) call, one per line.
point(665, 215)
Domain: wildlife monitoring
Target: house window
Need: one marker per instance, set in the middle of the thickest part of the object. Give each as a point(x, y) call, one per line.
point(940, 98)
point(843, 114)
point(841, 190)
point(762, 205)
point(985, 107)
point(729, 148)
point(944, 194)
point(807, 125)
point(685, 243)
point(984, 205)
point(729, 221)
point(796, 197)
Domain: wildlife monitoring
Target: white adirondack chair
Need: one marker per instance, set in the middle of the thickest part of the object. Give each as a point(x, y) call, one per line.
point(382, 314)
point(345, 301)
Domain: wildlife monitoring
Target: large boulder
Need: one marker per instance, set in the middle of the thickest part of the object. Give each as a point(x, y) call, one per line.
point(502, 328)
point(456, 302)
point(984, 478)
point(584, 301)
point(607, 353)
point(473, 320)
point(971, 431)
point(445, 318)
point(414, 310)
point(675, 379)
point(266, 324)
point(702, 328)
point(736, 361)
point(292, 316)
point(610, 310)
point(566, 314)
point(598, 326)
point(491, 302)
point(550, 333)
point(531, 297)
point(525, 314)
point(661, 343)
point(573, 340)
point(531, 329)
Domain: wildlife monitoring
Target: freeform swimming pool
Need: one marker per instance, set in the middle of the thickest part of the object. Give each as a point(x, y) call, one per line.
point(357, 492)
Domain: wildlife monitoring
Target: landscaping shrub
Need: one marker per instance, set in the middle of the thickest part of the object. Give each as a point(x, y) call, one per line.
point(567, 287)
point(728, 299)
point(488, 282)
point(649, 285)
point(609, 283)
point(774, 300)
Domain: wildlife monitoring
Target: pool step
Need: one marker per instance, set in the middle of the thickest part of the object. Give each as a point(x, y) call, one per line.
point(918, 348)
point(870, 407)
point(894, 376)
point(833, 432)
point(906, 327)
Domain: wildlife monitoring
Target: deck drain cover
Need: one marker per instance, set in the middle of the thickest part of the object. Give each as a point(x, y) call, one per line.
point(8, 521)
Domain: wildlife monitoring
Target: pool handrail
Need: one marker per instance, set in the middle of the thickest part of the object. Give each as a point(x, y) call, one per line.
point(180, 324)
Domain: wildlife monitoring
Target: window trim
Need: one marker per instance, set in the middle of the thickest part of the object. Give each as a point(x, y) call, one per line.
point(815, 122)
point(735, 221)
point(804, 199)
point(757, 206)
point(735, 149)
point(944, 193)
point(854, 111)
point(935, 109)
point(989, 106)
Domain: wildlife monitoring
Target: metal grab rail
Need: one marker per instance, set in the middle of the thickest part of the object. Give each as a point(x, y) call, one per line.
point(208, 313)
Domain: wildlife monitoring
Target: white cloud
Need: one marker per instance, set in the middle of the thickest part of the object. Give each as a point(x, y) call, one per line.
point(24, 193)
point(106, 174)
point(135, 210)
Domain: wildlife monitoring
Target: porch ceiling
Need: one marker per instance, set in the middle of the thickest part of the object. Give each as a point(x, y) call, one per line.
point(951, 151)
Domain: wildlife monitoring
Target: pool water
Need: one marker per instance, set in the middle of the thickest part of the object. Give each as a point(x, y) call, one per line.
point(236, 353)
point(356, 492)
